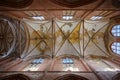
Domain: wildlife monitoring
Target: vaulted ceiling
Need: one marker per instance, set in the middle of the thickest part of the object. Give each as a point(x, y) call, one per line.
point(81, 36)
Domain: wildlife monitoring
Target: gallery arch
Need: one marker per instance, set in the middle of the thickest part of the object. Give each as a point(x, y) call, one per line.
point(15, 77)
point(71, 77)
point(116, 77)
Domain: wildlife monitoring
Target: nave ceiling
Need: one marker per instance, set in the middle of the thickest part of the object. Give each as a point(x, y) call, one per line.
point(55, 37)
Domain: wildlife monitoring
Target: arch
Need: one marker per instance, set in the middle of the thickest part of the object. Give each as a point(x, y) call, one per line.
point(111, 37)
point(8, 30)
point(72, 3)
point(38, 56)
point(16, 4)
point(14, 37)
point(116, 77)
point(71, 77)
point(15, 77)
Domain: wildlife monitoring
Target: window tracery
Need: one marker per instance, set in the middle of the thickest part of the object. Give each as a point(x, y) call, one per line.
point(115, 46)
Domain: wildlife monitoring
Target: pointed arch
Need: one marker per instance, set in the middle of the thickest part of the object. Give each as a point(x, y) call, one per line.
point(71, 77)
point(16, 77)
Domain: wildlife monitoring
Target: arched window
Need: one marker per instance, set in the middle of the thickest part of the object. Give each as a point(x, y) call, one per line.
point(34, 65)
point(116, 31)
point(68, 61)
point(116, 47)
point(69, 64)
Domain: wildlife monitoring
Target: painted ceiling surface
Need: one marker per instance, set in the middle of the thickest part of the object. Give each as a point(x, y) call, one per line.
point(59, 38)
point(55, 39)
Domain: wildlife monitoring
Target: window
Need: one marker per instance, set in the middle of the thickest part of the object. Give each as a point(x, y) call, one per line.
point(34, 65)
point(38, 17)
point(116, 31)
point(67, 17)
point(96, 17)
point(116, 47)
point(68, 65)
point(68, 61)
point(38, 61)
